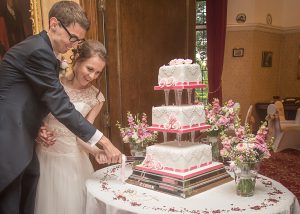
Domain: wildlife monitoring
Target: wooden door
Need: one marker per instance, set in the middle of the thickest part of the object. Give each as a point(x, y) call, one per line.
point(140, 36)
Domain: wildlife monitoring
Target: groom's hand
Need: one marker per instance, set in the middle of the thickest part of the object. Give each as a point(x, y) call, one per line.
point(112, 153)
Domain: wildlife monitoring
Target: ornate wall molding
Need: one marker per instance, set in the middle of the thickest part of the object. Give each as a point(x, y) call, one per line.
point(263, 28)
point(36, 16)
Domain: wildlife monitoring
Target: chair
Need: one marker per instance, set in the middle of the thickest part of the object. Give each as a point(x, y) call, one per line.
point(280, 109)
point(283, 139)
point(283, 122)
point(249, 118)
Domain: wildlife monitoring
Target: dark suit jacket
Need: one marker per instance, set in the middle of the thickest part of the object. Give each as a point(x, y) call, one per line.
point(29, 90)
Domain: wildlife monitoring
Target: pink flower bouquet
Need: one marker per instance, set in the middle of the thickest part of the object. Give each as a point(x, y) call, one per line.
point(136, 133)
point(221, 118)
point(246, 147)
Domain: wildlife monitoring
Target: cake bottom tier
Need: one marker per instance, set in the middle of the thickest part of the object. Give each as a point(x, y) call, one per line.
point(180, 187)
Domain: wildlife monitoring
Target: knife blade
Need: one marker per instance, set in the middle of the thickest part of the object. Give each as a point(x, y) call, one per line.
point(133, 158)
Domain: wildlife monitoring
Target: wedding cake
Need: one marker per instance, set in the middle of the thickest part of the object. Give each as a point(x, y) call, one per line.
point(180, 168)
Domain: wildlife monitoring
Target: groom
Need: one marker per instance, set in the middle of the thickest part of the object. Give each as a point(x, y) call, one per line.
point(29, 90)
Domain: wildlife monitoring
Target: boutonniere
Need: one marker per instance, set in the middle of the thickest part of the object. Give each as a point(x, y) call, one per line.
point(63, 66)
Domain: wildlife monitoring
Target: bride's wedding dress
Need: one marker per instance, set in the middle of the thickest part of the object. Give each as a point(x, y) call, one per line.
point(65, 166)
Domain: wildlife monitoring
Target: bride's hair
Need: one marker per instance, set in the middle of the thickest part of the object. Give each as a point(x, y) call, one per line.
point(88, 49)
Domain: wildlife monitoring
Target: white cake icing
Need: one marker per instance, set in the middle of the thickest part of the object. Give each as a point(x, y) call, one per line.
point(184, 156)
point(176, 117)
point(176, 74)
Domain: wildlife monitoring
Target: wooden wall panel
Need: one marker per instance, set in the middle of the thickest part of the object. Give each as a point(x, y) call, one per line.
point(141, 36)
point(148, 34)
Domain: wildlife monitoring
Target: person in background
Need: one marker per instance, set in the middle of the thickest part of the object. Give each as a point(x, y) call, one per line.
point(65, 166)
point(29, 89)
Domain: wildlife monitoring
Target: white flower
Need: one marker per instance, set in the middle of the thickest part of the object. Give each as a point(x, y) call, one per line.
point(135, 136)
point(126, 139)
point(64, 64)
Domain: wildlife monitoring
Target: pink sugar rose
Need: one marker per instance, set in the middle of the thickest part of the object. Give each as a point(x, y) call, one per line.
point(162, 82)
point(188, 61)
point(158, 165)
point(172, 62)
point(179, 61)
point(170, 81)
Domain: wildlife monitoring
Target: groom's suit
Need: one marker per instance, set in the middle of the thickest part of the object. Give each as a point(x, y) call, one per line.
point(29, 90)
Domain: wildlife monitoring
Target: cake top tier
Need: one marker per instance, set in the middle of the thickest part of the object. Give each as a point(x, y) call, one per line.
point(179, 72)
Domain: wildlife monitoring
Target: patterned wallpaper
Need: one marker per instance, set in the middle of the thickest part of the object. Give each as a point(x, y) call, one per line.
point(246, 81)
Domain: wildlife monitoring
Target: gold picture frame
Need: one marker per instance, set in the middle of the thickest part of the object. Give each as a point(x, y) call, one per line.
point(36, 16)
point(267, 58)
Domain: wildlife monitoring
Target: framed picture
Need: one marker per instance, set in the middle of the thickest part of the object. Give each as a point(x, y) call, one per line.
point(17, 19)
point(266, 60)
point(238, 52)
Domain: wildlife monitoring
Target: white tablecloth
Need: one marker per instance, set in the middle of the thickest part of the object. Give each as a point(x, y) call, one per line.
point(107, 194)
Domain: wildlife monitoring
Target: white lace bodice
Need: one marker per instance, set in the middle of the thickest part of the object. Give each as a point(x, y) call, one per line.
point(83, 100)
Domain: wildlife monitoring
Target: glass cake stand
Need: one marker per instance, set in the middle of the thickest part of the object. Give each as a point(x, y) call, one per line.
point(182, 185)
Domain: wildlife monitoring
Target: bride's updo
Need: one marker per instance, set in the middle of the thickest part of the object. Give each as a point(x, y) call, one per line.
point(88, 49)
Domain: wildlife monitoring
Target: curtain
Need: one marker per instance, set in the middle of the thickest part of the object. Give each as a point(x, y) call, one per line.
point(216, 15)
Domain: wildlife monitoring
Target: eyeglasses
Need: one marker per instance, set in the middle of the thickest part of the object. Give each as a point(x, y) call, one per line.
point(73, 38)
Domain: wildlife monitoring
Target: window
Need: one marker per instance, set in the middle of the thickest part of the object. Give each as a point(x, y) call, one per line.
point(201, 48)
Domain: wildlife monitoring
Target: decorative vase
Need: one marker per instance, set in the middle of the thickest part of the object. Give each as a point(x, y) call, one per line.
point(215, 150)
point(137, 150)
point(245, 178)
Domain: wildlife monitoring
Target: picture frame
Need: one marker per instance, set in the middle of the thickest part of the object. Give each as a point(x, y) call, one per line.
point(267, 58)
point(17, 22)
point(238, 52)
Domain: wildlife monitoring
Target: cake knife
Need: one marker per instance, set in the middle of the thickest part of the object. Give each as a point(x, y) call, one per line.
point(133, 158)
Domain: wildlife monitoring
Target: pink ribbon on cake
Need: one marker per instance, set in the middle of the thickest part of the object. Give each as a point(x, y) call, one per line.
point(182, 127)
point(164, 82)
point(187, 170)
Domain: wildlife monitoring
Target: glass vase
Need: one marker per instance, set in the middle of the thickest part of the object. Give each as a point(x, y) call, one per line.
point(215, 150)
point(137, 150)
point(245, 178)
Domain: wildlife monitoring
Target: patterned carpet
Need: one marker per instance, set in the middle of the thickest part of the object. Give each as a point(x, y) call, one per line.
point(284, 167)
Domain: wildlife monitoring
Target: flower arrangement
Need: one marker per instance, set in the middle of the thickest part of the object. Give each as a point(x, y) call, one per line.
point(246, 150)
point(244, 146)
point(221, 118)
point(136, 133)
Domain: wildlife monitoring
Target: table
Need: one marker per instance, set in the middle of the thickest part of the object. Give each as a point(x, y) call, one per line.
point(290, 110)
point(107, 194)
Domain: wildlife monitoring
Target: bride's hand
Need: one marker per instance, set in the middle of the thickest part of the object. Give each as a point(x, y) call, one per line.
point(45, 137)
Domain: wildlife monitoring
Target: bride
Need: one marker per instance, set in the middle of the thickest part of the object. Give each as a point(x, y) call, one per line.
point(65, 165)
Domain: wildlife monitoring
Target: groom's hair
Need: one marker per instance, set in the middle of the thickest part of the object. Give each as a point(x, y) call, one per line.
point(69, 12)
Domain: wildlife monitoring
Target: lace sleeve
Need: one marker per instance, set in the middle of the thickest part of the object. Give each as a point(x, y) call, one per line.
point(100, 97)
